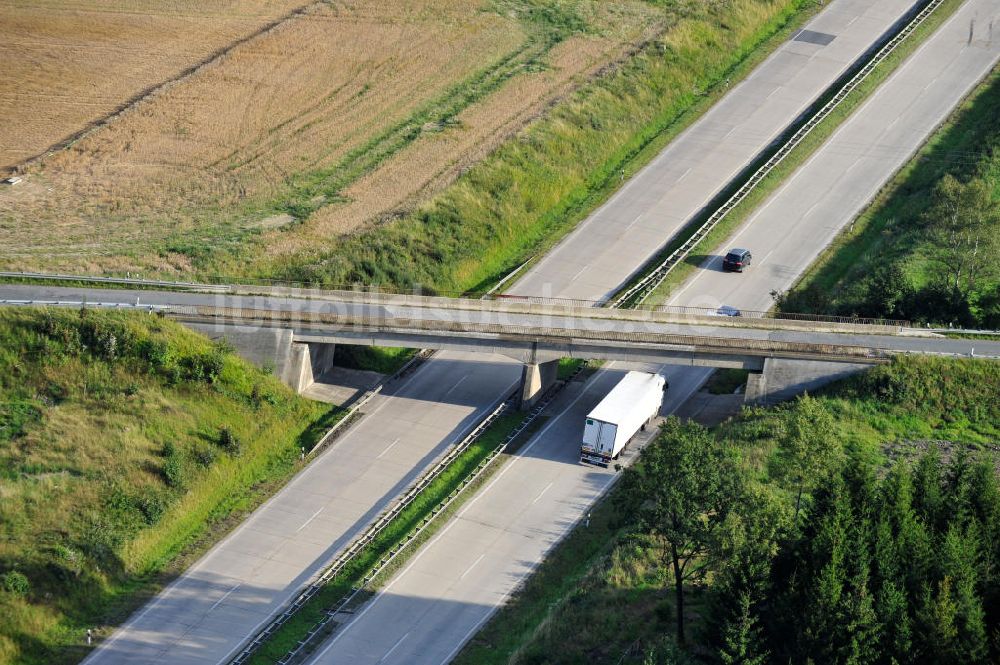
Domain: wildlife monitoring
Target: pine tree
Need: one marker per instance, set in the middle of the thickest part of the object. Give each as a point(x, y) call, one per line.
point(742, 643)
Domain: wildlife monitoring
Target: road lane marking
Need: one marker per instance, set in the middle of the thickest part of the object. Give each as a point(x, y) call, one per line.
point(457, 384)
point(540, 494)
point(474, 563)
point(226, 595)
point(394, 647)
point(766, 257)
point(387, 449)
point(455, 520)
point(306, 523)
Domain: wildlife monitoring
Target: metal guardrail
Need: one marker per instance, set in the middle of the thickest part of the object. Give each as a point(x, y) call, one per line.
point(644, 287)
point(367, 537)
point(330, 614)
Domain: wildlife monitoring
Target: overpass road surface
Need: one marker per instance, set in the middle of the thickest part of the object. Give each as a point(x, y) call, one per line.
point(428, 611)
point(533, 332)
point(452, 390)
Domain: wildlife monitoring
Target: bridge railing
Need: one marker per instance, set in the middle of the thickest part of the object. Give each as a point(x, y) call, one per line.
point(684, 342)
point(373, 294)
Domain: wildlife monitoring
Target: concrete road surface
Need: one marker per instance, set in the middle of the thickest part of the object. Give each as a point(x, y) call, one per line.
point(458, 579)
point(210, 610)
point(789, 231)
point(628, 230)
point(204, 615)
point(433, 606)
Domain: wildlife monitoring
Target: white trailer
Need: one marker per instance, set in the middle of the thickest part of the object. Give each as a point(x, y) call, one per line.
point(624, 411)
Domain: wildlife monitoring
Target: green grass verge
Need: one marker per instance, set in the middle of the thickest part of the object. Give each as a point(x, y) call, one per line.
point(567, 367)
point(604, 594)
point(711, 244)
point(532, 190)
point(726, 381)
point(128, 446)
point(381, 359)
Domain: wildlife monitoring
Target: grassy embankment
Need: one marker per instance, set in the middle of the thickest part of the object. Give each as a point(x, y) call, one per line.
point(927, 248)
point(711, 244)
point(128, 445)
point(520, 200)
point(604, 595)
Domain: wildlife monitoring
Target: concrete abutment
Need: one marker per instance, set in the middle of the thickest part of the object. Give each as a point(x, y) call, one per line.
point(296, 364)
point(784, 379)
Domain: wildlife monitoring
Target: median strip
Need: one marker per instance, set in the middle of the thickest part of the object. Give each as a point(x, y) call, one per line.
point(311, 618)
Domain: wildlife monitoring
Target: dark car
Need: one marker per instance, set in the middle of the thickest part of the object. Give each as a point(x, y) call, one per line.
point(737, 260)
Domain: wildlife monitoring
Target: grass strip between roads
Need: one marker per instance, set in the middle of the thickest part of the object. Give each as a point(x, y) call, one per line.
point(395, 533)
point(795, 159)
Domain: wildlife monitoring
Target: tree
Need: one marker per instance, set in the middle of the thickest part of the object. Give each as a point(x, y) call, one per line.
point(888, 292)
point(963, 220)
point(807, 448)
point(679, 491)
point(742, 636)
point(748, 543)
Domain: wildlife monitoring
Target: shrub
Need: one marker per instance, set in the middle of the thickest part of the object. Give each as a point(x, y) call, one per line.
point(70, 560)
point(16, 583)
point(156, 353)
point(229, 442)
point(152, 507)
point(173, 471)
point(204, 456)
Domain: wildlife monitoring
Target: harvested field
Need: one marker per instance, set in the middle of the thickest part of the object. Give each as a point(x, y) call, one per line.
point(338, 117)
point(70, 63)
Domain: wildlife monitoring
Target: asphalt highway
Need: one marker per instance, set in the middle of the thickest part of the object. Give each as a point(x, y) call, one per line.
point(789, 231)
point(453, 585)
point(213, 607)
point(623, 234)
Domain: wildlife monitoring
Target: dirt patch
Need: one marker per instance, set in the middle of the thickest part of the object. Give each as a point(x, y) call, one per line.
point(229, 148)
point(71, 63)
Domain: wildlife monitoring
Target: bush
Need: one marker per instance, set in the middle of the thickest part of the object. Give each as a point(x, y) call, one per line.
point(205, 367)
point(16, 583)
point(70, 560)
point(229, 442)
point(204, 456)
point(152, 507)
point(173, 471)
point(156, 352)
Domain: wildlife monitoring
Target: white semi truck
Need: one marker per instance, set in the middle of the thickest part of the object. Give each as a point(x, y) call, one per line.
point(624, 411)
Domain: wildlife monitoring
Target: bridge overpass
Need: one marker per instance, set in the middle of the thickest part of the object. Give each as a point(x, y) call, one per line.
point(296, 332)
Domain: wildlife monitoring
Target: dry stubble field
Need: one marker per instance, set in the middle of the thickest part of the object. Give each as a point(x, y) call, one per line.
point(337, 117)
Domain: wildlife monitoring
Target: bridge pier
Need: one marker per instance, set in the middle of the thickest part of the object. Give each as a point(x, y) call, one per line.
point(536, 378)
point(784, 379)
